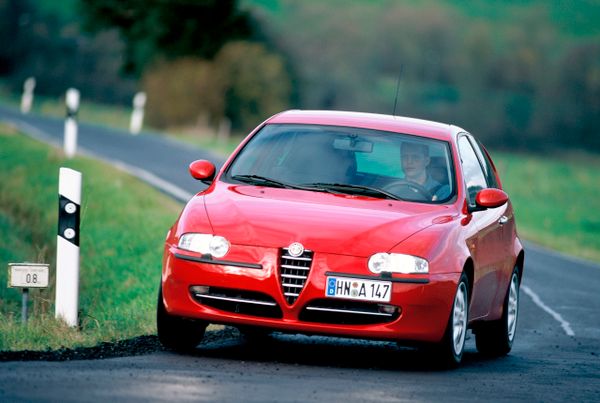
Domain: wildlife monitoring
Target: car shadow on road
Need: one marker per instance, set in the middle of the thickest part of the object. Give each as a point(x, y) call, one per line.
point(326, 351)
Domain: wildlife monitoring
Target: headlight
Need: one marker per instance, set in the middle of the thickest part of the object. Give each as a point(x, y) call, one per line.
point(214, 245)
point(397, 263)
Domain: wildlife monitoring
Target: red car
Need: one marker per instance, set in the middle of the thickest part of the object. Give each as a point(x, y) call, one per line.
point(347, 224)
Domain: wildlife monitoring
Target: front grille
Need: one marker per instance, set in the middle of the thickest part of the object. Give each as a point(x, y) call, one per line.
point(345, 312)
point(238, 301)
point(293, 272)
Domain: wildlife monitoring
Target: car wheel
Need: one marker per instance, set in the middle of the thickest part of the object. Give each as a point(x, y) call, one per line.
point(452, 345)
point(176, 333)
point(496, 338)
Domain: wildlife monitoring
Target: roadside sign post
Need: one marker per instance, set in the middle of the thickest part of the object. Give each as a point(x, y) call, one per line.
point(70, 138)
point(67, 246)
point(26, 276)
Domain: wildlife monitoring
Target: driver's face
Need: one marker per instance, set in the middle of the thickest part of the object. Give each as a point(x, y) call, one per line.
point(414, 161)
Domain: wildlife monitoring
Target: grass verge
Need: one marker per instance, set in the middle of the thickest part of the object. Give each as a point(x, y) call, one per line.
point(555, 200)
point(123, 224)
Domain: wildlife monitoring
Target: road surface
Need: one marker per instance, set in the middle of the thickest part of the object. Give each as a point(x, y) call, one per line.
point(556, 356)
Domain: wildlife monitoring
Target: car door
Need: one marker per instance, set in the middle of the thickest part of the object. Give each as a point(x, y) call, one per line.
point(486, 245)
point(506, 258)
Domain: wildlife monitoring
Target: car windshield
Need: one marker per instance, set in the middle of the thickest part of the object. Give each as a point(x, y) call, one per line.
point(347, 160)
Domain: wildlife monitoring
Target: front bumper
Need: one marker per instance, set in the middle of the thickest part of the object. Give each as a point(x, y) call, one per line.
point(251, 276)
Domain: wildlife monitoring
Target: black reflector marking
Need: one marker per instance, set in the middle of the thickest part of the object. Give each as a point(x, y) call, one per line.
point(68, 220)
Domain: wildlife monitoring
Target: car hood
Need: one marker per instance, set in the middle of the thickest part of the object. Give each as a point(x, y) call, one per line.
point(322, 222)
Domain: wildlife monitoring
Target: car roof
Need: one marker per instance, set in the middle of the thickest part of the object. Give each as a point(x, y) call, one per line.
point(399, 124)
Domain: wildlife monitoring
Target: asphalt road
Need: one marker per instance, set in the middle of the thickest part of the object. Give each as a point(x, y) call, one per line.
point(556, 356)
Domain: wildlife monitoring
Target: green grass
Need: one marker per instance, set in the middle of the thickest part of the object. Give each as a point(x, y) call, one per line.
point(123, 225)
point(555, 200)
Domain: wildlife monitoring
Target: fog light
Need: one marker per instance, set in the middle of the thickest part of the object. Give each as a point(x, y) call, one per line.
point(389, 309)
point(200, 289)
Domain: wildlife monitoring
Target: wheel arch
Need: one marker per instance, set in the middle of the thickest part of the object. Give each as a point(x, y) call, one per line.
point(520, 263)
point(469, 270)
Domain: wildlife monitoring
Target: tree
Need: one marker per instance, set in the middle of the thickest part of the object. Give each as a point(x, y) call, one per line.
point(575, 100)
point(15, 21)
point(168, 28)
point(245, 83)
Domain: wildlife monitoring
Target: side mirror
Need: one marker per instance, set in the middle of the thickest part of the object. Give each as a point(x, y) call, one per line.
point(490, 198)
point(202, 170)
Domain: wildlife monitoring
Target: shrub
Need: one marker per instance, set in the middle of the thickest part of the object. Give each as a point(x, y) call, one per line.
point(245, 83)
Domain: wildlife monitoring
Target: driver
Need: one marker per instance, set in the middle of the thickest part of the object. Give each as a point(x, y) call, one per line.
point(415, 159)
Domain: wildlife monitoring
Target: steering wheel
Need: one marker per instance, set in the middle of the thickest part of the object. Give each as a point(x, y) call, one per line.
point(408, 190)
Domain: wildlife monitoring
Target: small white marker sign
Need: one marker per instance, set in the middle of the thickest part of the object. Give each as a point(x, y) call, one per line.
point(28, 275)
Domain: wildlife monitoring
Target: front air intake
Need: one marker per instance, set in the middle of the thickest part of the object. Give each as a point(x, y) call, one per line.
point(293, 272)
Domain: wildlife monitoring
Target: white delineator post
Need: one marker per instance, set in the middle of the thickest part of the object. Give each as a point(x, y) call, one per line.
point(224, 130)
point(27, 98)
point(137, 116)
point(67, 246)
point(70, 141)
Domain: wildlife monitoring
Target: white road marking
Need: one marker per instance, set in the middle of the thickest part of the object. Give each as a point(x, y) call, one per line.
point(167, 187)
point(537, 300)
point(34, 132)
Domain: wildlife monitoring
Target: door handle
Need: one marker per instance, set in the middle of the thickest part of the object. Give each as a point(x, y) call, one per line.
point(503, 220)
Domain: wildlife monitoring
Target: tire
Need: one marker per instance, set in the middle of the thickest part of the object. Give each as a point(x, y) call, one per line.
point(450, 349)
point(496, 338)
point(176, 333)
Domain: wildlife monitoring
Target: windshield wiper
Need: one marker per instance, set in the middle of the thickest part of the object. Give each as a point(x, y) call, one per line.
point(354, 189)
point(262, 180)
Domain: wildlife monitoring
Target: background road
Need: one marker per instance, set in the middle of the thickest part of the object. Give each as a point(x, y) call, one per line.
point(159, 159)
point(556, 356)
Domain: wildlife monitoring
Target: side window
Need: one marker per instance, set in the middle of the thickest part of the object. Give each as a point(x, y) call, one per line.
point(487, 165)
point(473, 174)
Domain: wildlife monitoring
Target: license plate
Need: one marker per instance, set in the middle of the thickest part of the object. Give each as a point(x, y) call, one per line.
point(355, 288)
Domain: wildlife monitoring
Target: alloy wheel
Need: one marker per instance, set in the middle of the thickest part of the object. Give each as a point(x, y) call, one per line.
point(459, 318)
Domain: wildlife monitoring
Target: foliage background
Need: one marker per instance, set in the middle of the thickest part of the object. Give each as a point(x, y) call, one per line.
point(520, 74)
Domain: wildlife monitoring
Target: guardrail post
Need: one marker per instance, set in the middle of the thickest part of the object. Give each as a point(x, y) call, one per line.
point(224, 130)
point(137, 116)
point(67, 246)
point(27, 98)
point(70, 140)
